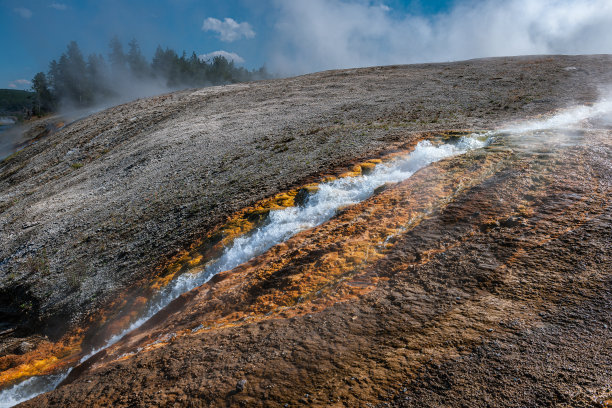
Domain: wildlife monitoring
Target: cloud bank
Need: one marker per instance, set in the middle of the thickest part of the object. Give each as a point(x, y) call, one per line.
point(229, 30)
point(230, 56)
point(19, 83)
point(327, 34)
point(58, 6)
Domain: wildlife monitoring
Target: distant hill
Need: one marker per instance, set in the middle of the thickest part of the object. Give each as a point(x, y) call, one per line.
point(14, 101)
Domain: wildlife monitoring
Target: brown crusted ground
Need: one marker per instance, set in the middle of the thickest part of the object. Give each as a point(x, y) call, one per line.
point(95, 207)
point(496, 292)
point(99, 208)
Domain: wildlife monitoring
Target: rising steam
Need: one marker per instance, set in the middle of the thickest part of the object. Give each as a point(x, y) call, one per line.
point(328, 34)
point(578, 117)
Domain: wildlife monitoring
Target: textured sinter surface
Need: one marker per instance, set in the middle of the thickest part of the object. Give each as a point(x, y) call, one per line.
point(475, 281)
point(101, 203)
point(101, 214)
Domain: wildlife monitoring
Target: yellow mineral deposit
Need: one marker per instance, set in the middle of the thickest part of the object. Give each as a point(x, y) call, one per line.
point(46, 358)
point(337, 276)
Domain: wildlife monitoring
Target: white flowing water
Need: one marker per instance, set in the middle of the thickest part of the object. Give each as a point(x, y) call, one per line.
point(279, 227)
point(320, 207)
point(30, 388)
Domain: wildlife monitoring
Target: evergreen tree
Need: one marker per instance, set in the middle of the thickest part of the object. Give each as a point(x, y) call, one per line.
point(117, 57)
point(44, 98)
point(198, 70)
point(165, 65)
point(220, 71)
point(54, 79)
point(76, 70)
point(71, 79)
point(137, 63)
point(185, 74)
point(98, 76)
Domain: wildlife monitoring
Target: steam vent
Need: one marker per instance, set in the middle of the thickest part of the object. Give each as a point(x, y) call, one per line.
point(404, 236)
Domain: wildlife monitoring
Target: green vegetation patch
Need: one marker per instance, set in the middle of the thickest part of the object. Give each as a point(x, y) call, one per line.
point(14, 101)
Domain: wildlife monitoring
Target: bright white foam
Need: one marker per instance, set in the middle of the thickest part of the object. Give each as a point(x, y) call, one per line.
point(280, 226)
point(320, 207)
point(29, 388)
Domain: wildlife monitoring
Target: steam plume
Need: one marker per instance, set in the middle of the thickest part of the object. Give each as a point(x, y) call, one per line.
point(328, 34)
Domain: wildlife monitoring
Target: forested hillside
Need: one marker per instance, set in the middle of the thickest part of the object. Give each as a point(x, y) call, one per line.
point(79, 81)
point(13, 102)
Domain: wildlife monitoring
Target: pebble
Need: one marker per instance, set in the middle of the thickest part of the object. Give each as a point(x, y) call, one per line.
point(24, 347)
point(240, 386)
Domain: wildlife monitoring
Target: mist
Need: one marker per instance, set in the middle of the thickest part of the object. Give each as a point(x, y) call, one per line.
point(330, 34)
point(74, 82)
point(578, 117)
point(6, 142)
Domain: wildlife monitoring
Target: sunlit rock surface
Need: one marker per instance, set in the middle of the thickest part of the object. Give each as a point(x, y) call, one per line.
point(480, 271)
point(477, 279)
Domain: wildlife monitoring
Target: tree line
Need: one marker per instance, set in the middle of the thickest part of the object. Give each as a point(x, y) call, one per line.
point(80, 82)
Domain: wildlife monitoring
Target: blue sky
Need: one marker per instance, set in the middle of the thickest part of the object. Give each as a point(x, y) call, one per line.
point(298, 36)
point(39, 30)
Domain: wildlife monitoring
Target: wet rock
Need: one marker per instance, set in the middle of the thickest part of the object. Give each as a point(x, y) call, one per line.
point(24, 347)
point(241, 385)
point(511, 221)
point(304, 193)
point(342, 209)
point(489, 225)
point(305, 399)
point(368, 167)
point(394, 336)
point(382, 188)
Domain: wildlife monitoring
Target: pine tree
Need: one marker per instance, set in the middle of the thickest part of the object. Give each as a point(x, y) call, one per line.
point(72, 80)
point(137, 63)
point(165, 65)
point(76, 71)
point(117, 58)
point(44, 98)
point(99, 77)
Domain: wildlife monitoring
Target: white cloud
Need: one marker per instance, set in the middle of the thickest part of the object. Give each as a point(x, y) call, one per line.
point(230, 56)
point(58, 6)
point(326, 34)
point(19, 83)
point(229, 30)
point(23, 12)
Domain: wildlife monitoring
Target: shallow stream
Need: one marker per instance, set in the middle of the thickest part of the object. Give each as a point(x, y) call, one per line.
point(280, 225)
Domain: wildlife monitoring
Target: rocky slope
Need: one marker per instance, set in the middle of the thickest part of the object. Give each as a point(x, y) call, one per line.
point(513, 251)
point(496, 293)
